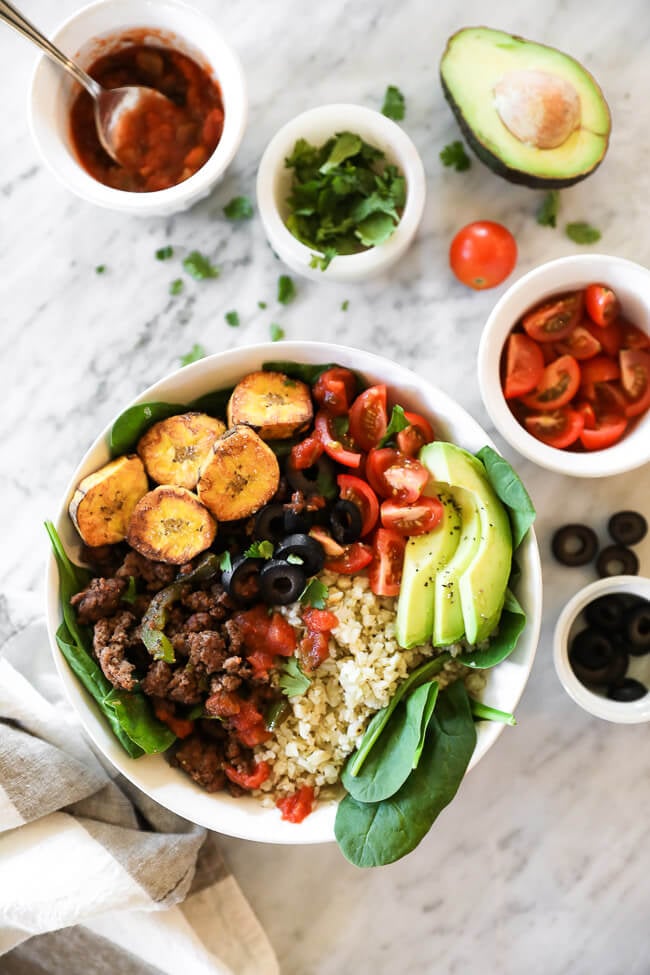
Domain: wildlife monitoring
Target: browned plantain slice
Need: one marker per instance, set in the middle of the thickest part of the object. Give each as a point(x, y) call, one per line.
point(273, 404)
point(240, 477)
point(103, 501)
point(174, 449)
point(169, 524)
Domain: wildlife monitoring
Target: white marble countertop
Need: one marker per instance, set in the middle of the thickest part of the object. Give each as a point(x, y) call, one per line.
point(541, 863)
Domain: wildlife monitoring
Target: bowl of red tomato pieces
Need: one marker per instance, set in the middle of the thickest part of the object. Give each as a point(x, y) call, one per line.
point(564, 365)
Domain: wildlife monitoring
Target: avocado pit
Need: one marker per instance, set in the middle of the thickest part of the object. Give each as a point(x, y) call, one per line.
point(539, 108)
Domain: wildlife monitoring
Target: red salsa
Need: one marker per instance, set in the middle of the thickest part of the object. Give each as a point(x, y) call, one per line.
point(164, 143)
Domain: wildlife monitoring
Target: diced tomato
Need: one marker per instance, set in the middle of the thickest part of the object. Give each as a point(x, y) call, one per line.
point(635, 380)
point(261, 662)
point(334, 390)
point(600, 369)
point(314, 649)
point(335, 447)
point(355, 558)
point(248, 780)
point(306, 453)
point(558, 386)
point(249, 725)
point(223, 704)
point(296, 807)
point(388, 559)
point(393, 475)
point(558, 429)
point(581, 344)
point(412, 438)
point(369, 417)
point(320, 620)
point(554, 320)
point(182, 727)
point(607, 432)
point(412, 519)
point(265, 634)
point(602, 304)
point(359, 492)
point(633, 337)
point(280, 636)
point(524, 365)
point(609, 336)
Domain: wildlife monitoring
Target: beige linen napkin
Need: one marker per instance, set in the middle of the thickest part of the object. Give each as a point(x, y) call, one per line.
point(94, 876)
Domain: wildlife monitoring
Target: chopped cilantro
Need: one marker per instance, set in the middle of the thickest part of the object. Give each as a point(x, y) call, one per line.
point(292, 679)
point(100, 269)
point(239, 208)
point(548, 208)
point(314, 594)
point(131, 593)
point(454, 155)
point(260, 550)
point(261, 304)
point(582, 233)
point(277, 332)
point(397, 422)
point(199, 267)
point(164, 253)
point(394, 105)
point(176, 286)
point(197, 352)
point(232, 317)
point(225, 561)
point(323, 260)
point(345, 305)
point(286, 289)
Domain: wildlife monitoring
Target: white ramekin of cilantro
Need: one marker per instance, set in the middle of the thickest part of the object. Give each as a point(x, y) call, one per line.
point(340, 191)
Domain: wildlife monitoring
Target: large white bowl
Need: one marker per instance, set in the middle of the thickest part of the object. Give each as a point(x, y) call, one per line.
point(245, 817)
point(631, 282)
point(94, 30)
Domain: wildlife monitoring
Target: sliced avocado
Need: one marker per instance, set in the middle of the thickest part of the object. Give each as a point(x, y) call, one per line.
point(531, 113)
point(448, 622)
point(424, 557)
point(482, 581)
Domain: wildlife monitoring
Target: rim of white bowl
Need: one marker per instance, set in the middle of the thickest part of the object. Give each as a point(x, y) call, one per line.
point(554, 277)
point(320, 124)
point(620, 712)
point(59, 158)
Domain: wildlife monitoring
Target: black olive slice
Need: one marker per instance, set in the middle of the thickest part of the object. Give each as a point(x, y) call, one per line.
point(313, 479)
point(242, 579)
point(595, 659)
point(269, 523)
point(627, 527)
point(637, 629)
point(297, 521)
point(304, 547)
point(628, 690)
point(616, 560)
point(606, 613)
point(345, 521)
point(281, 582)
point(574, 544)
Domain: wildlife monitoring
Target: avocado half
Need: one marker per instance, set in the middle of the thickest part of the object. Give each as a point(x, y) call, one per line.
point(531, 113)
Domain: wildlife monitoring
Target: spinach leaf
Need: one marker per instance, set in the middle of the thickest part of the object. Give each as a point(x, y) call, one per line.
point(391, 761)
point(371, 834)
point(133, 714)
point(214, 403)
point(299, 370)
point(511, 491)
point(487, 713)
point(432, 697)
point(72, 579)
point(130, 425)
point(397, 422)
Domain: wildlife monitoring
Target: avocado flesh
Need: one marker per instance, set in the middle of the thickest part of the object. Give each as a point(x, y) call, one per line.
point(424, 557)
point(448, 621)
point(481, 581)
point(475, 60)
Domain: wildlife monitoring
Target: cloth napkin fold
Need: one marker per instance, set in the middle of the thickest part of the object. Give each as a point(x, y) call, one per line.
point(95, 877)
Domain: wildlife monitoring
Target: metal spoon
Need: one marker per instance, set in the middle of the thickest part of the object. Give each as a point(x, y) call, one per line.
point(110, 103)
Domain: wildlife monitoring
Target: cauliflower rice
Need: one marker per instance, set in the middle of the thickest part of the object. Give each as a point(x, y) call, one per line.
point(364, 668)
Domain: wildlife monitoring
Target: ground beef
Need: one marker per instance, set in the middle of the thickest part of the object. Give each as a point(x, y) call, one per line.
point(154, 575)
point(188, 685)
point(104, 559)
point(235, 638)
point(111, 640)
point(100, 599)
point(157, 679)
point(203, 761)
point(207, 649)
point(198, 622)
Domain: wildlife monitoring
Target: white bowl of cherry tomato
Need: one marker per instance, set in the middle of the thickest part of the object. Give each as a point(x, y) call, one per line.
point(564, 365)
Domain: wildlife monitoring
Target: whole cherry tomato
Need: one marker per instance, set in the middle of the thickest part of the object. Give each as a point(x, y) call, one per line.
point(483, 254)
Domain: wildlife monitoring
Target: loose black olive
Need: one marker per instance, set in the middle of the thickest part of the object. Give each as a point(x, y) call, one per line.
point(606, 613)
point(281, 582)
point(242, 579)
point(297, 521)
point(574, 544)
point(616, 560)
point(637, 629)
point(628, 690)
point(320, 478)
point(302, 547)
point(345, 522)
point(269, 523)
point(595, 659)
point(627, 527)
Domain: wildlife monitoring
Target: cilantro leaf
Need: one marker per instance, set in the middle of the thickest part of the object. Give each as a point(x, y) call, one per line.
point(232, 317)
point(454, 155)
point(100, 269)
point(239, 208)
point(375, 229)
point(261, 304)
point(323, 260)
point(260, 550)
point(314, 594)
point(225, 561)
point(345, 305)
point(582, 233)
point(176, 286)
point(196, 352)
point(394, 105)
point(347, 144)
point(277, 332)
point(293, 680)
point(397, 422)
point(548, 208)
point(286, 289)
point(199, 266)
point(164, 253)
point(131, 593)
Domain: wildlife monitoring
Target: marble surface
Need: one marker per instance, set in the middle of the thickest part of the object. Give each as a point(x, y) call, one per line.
point(541, 863)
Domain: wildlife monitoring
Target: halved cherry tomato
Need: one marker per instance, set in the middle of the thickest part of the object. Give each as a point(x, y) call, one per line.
point(581, 344)
point(609, 336)
point(306, 453)
point(602, 304)
point(558, 429)
point(334, 390)
point(412, 438)
point(524, 365)
point(386, 567)
point(633, 337)
point(355, 558)
point(248, 780)
point(314, 649)
point(554, 320)
point(588, 414)
point(600, 369)
point(360, 493)
point(296, 807)
point(607, 432)
point(368, 417)
point(559, 384)
point(483, 254)
point(334, 446)
point(635, 380)
point(412, 519)
point(320, 620)
point(393, 475)
point(607, 399)
point(549, 352)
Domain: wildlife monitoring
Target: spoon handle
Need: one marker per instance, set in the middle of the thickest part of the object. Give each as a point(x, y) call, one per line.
point(15, 19)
